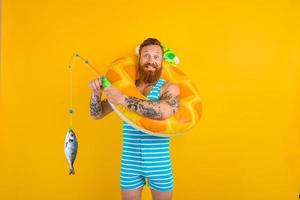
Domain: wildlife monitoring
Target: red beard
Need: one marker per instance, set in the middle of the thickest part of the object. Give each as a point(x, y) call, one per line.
point(149, 76)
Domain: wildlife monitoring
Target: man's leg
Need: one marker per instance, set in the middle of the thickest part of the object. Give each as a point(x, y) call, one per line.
point(157, 195)
point(134, 194)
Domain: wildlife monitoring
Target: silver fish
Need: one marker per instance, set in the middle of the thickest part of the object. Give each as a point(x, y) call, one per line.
point(71, 146)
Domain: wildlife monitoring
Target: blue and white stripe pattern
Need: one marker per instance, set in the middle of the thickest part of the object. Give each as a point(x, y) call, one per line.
point(146, 156)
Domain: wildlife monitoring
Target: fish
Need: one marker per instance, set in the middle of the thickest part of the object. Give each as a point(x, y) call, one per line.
point(71, 147)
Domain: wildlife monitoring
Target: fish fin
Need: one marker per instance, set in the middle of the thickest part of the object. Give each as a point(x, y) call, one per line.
point(72, 171)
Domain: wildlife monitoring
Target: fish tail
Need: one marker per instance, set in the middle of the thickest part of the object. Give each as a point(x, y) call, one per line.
point(72, 171)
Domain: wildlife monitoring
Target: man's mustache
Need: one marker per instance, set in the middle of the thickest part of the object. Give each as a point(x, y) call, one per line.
point(150, 64)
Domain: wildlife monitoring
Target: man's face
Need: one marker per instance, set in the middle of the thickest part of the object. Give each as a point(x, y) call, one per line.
point(150, 63)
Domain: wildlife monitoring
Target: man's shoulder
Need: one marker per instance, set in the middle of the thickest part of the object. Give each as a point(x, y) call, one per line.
point(170, 87)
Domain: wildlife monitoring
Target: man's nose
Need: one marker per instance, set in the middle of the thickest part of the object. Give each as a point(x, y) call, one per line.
point(151, 60)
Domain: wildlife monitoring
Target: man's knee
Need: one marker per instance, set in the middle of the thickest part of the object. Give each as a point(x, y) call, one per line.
point(134, 194)
point(158, 195)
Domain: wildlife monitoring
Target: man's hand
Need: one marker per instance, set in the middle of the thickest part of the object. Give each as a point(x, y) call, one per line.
point(95, 103)
point(114, 95)
point(96, 86)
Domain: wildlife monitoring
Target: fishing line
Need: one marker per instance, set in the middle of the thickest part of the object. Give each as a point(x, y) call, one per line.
point(70, 67)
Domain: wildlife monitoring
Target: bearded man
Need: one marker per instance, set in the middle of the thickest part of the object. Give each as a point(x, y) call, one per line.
point(144, 156)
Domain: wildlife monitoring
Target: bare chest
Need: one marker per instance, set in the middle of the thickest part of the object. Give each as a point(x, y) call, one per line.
point(146, 89)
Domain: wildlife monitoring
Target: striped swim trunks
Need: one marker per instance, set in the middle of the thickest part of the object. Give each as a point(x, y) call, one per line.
point(146, 157)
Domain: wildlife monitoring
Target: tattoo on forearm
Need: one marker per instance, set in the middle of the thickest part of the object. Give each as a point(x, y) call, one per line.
point(173, 102)
point(152, 109)
point(166, 96)
point(147, 108)
point(150, 112)
point(96, 108)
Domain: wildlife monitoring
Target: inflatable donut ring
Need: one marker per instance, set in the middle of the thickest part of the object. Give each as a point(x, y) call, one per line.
point(122, 74)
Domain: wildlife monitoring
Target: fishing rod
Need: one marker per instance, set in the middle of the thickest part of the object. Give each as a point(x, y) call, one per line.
point(71, 143)
point(105, 82)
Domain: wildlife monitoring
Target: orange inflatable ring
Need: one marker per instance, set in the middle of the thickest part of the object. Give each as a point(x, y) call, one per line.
point(122, 74)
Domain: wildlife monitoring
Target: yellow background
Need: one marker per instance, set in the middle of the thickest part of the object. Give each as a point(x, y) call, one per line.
point(244, 57)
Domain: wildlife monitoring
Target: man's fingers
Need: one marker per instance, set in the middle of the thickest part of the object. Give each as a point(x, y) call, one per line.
point(91, 85)
point(107, 89)
point(97, 83)
point(107, 93)
point(94, 85)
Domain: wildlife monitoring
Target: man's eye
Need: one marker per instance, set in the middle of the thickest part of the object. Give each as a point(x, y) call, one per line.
point(155, 57)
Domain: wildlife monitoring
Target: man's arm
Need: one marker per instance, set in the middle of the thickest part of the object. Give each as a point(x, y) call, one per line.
point(162, 109)
point(95, 105)
point(98, 108)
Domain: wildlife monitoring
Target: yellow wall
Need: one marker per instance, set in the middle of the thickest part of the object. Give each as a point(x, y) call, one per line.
point(244, 56)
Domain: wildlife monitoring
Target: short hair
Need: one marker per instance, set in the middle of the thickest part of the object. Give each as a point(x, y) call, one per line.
point(151, 41)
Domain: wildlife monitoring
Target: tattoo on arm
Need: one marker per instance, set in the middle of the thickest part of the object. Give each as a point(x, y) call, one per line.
point(147, 108)
point(172, 101)
point(95, 106)
point(152, 109)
